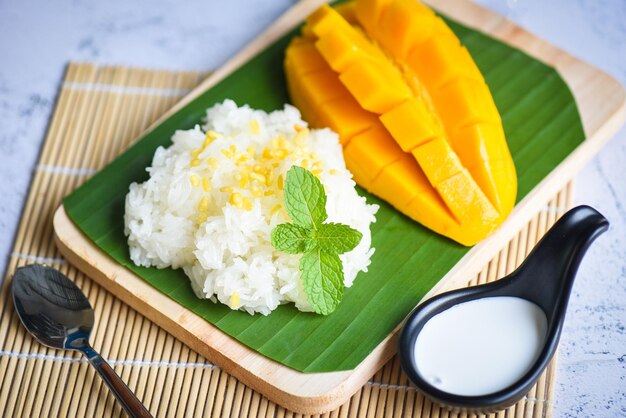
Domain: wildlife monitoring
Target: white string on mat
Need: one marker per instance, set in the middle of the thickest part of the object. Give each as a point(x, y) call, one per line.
point(113, 362)
point(38, 259)
point(118, 89)
point(70, 171)
point(207, 365)
point(392, 386)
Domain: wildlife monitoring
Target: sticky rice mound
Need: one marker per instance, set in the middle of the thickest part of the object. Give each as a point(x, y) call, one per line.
point(214, 196)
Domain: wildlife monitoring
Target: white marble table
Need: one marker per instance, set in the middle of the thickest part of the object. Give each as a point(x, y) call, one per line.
point(38, 38)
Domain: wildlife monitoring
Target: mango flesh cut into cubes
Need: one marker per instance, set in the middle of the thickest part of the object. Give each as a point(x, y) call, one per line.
point(410, 124)
point(404, 25)
point(346, 117)
point(415, 117)
point(391, 89)
point(373, 150)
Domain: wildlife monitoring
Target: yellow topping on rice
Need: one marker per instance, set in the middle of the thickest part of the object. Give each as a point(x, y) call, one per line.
point(203, 206)
point(254, 127)
point(234, 300)
point(255, 175)
point(206, 184)
point(201, 218)
point(236, 200)
point(275, 209)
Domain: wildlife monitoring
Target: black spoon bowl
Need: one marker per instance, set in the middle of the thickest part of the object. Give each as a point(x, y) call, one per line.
point(55, 311)
point(544, 278)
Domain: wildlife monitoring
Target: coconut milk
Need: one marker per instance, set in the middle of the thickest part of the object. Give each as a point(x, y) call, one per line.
point(482, 346)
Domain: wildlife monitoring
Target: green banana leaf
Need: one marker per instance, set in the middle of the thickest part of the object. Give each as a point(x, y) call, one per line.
point(542, 126)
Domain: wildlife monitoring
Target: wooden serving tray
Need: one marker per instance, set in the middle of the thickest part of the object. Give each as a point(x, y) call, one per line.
point(600, 101)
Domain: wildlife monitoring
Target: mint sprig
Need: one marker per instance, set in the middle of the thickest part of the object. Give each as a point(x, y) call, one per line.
point(305, 199)
point(320, 243)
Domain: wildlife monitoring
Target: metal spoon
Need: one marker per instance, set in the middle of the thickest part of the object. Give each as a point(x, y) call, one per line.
point(55, 311)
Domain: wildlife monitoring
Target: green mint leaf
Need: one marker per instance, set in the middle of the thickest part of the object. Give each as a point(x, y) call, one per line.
point(292, 239)
point(305, 199)
point(337, 238)
point(322, 279)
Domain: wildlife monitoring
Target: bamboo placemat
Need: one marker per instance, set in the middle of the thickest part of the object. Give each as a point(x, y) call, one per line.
point(99, 111)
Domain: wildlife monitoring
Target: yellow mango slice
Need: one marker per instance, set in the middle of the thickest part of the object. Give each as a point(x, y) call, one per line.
point(368, 13)
point(409, 124)
point(341, 49)
point(345, 117)
point(453, 182)
point(372, 151)
point(437, 160)
point(326, 19)
point(478, 142)
point(359, 174)
point(403, 26)
point(464, 101)
point(442, 30)
point(322, 87)
point(400, 182)
point(305, 57)
point(347, 11)
point(466, 201)
point(483, 151)
point(376, 87)
point(416, 119)
point(294, 85)
point(429, 209)
point(441, 59)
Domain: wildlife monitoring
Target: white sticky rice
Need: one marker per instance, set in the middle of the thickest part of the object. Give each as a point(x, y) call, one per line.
point(214, 196)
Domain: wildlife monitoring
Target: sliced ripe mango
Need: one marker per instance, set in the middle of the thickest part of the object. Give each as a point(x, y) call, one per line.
point(465, 201)
point(360, 175)
point(416, 119)
point(341, 49)
point(440, 59)
point(409, 124)
point(429, 209)
point(326, 19)
point(372, 150)
point(347, 11)
point(376, 87)
point(346, 117)
point(368, 13)
point(322, 87)
point(403, 26)
point(400, 182)
point(437, 160)
point(294, 84)
point(305, 57)
point(465, 101)
point(483, 151)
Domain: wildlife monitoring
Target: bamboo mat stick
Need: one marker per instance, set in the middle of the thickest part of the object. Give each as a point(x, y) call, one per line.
point(99, 112)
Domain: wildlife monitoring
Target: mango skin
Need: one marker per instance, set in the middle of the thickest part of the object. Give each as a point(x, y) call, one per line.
point(415, 117)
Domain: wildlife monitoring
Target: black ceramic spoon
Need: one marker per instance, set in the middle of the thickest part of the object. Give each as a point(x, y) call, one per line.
point(545, 278)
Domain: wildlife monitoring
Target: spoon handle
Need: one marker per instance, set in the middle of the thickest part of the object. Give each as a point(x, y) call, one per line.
point(133, 407)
